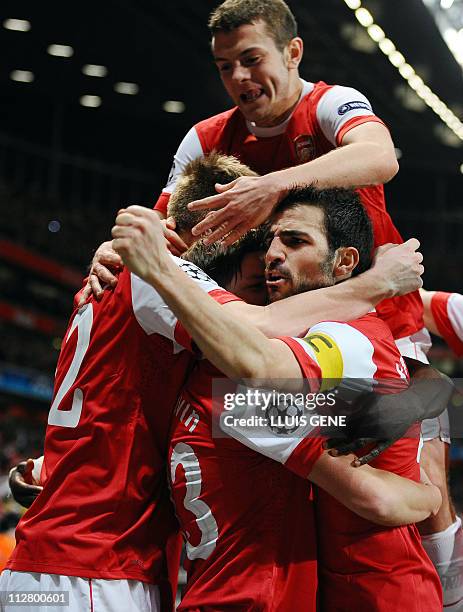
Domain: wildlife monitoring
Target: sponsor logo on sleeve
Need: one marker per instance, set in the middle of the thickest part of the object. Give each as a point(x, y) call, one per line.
point(355, 105)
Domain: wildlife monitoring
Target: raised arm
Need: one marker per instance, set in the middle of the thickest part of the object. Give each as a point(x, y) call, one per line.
point(237, 348)
point(397, 270)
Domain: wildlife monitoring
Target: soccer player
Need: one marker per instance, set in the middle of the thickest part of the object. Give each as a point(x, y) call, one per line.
point(243, 552)
point(294, 132)
point(443, 315)
point(102, 524)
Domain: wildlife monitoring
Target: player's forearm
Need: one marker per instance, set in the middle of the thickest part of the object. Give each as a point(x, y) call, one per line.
point(234, 347)
point(358, 164)
point(346, 301)
point(375, 495)
point(402, 501)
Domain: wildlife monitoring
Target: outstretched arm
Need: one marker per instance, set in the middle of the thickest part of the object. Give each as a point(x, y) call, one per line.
point(366, 157)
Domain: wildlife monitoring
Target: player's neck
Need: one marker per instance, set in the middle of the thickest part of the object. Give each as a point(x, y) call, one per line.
point(294, 95)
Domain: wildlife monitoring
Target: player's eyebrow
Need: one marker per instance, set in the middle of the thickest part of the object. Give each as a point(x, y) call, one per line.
point(294, 234)
point(248, 50)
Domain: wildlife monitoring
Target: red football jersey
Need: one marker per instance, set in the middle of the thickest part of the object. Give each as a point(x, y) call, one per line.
point(323, 116)
point(247, 521)
point(447, 310)
point(361, 566)
point(105, 510)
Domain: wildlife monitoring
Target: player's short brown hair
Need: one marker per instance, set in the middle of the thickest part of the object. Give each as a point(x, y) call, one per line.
point(198, 181)
point(223, 264)
point(276, 14)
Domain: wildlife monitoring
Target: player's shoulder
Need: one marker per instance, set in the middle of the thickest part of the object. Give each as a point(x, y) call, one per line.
point(341, 98)
point(219, 121)
point(363, 345)
point(372, 326)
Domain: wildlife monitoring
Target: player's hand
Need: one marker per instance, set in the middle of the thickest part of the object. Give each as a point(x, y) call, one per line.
point(24, 487)
point(173, 241)
point(139, 239)
point(104, 263)
point(343, 446)
point(239, 206)
point(400, 267)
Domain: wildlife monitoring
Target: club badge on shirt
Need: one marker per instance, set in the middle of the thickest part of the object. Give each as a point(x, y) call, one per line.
point(304, 147)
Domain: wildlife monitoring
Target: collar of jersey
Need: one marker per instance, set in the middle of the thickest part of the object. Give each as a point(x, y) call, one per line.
point(276, 130)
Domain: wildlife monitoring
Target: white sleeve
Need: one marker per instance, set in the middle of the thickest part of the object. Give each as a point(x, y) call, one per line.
point(37, 469)
point(455, 313)
point(190, 148)
point(266, 421)
point(150, 310)
point(338, 106)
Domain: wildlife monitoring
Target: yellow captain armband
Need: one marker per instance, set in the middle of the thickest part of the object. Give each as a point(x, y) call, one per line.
point(329, 358)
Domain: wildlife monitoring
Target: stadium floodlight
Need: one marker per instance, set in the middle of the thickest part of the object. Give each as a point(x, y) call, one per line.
point(397, 59)
point(364, 17)
point(454, 40)
point(19, 25)
point(387, 46)
point(173, 106)
point(90, 101)
point(60, 50)
point(94, 70)
point(415, 82)
point(406, 71)
point(129, 89)
point(22, 76)
point(376, 33)
point(353, 4)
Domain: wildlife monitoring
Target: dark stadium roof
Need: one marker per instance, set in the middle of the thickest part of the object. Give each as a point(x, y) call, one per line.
point(163, 48)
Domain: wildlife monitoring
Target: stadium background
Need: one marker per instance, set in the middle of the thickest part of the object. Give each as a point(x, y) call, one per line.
point(95, 98)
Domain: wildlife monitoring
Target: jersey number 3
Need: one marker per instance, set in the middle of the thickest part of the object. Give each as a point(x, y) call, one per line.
point(184, 455)
point(70, 418)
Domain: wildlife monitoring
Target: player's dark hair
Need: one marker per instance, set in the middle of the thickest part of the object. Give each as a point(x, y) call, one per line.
point(346, 221)
point(223, 264)
point(276, 14)
point(198, 181)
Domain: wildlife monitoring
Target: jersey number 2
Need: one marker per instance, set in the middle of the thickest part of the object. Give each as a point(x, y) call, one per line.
point(184, 455)
point(70, 418)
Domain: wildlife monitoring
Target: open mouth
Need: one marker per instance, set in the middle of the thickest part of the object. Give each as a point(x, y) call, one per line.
point(251, 96)
point(274, 280)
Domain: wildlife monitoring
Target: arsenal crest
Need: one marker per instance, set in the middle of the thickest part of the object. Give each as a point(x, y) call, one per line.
point(304, 148)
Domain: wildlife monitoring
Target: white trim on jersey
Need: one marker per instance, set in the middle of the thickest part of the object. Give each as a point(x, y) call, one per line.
point(455, 313)
point(358, 367)
point(150, 310)
point(338, 106)
point(241, 424)
point(189, 149)
point(354, 354)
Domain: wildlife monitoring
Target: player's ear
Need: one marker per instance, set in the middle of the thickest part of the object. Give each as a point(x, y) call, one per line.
point(293, 52)
point(345, 260)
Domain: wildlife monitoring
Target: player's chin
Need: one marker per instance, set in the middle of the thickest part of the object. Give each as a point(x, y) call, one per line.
point(275, 294)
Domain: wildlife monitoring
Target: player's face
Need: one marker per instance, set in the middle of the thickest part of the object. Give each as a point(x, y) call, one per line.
point(260, 79)
point(250, 284)
point(298, 258)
